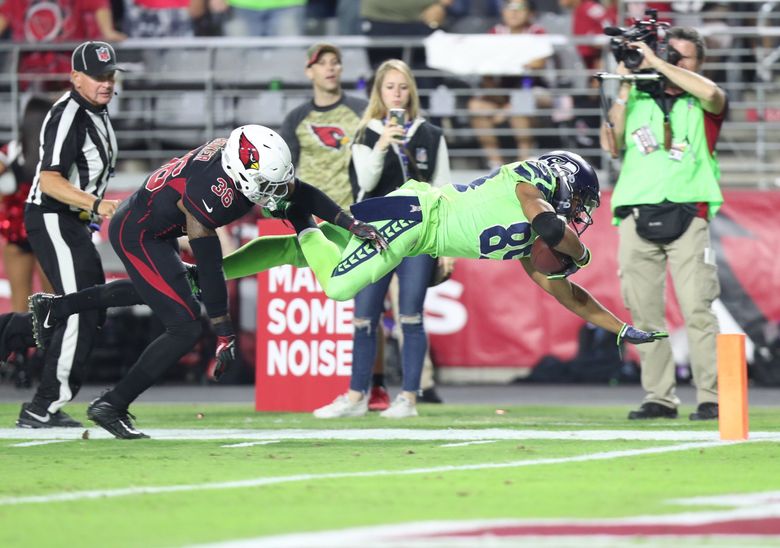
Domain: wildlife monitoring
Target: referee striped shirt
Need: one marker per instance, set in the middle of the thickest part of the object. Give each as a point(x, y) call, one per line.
point(77, 141)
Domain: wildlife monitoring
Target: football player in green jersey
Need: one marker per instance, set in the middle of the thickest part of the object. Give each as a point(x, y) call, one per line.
point(494, 217)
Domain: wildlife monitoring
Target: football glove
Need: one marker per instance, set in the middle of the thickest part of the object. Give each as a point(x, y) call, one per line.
point(226, 354)
point(630, 334)
point(573, 267)
point(365, 231)
point(191, 272)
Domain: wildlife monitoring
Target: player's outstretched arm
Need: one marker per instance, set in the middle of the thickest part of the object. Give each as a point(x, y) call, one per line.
point(582, 303)
point(312, 201)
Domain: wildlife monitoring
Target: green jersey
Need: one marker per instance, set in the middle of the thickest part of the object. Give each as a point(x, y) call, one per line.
point(483, 219)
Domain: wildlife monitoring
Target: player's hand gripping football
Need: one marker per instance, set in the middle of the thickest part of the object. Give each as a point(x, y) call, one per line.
point(226, 354)
point(365, 231)
point(630, 334)
point(573, 267)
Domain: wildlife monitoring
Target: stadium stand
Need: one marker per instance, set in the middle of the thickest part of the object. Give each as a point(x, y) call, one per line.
point(179, 92)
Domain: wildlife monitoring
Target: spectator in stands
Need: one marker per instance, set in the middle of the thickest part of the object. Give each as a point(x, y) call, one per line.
point(589, 18)
point(266, 17)
point(35, 22)
point(161, 18)
point(20, 158)
point(78, 156)
point(664, 199)
point(393, 144)
point(489, 111)
point(383, 18)
point(320, 131)
point(346, 14)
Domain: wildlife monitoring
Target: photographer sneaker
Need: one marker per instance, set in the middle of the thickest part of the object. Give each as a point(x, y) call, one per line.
point(401, 408)
point(342, 407)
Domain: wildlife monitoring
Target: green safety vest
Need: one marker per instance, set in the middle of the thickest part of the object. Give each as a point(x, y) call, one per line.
point(655, 177)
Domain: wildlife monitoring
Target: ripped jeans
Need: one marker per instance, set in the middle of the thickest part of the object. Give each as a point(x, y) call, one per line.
point(413, 273)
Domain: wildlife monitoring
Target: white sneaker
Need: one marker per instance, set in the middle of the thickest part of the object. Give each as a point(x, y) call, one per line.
point(401, 408)
point(342, 407)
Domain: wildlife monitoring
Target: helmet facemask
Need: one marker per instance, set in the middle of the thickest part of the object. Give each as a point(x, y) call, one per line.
point(574, 205)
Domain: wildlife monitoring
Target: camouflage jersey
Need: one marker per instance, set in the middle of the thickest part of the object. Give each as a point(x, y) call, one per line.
point(483, 219)
point(319, 139)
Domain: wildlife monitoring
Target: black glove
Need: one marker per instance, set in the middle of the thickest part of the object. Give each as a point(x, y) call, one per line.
point(191, 272)
point(226, 354)
point(365, 231)
point(630, 334)
point(573, 267)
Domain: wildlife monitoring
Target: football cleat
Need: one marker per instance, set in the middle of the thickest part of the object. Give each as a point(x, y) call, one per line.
point(114, 420)
point(40, 305)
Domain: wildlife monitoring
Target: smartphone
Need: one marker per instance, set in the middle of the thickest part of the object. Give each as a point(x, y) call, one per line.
point(397, 116)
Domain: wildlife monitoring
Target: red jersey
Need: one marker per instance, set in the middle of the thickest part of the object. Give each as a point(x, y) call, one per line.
point(590, 18)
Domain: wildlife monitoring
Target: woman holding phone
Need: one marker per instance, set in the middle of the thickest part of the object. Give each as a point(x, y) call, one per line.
point(393, 144)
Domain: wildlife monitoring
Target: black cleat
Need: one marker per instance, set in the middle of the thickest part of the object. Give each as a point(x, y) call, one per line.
point(114, 420)
point(706, 411)
point(40, 305)
point(652, 410)
point(30, 417)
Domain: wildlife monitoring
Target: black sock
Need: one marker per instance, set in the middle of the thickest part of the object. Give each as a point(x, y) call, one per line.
point(378, 379)
point(116, 293)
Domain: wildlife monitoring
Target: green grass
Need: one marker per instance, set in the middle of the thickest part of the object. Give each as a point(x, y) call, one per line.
point(619, 487)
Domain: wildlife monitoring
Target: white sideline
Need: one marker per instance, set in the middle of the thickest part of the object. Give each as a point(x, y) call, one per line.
point(259, 482)
point(442, 434)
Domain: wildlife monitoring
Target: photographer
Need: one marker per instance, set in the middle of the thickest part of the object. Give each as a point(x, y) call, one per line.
point(664, 198)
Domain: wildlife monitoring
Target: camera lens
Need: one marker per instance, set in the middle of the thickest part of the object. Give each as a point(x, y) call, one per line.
point(633, 58)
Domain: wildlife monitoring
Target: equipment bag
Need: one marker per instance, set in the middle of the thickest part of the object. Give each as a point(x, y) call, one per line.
point(663, 223)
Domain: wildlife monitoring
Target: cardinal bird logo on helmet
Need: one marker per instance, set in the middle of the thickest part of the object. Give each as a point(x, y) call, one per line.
point(247, 153)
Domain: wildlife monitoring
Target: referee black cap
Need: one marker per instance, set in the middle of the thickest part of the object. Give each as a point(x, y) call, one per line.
point(94, 58)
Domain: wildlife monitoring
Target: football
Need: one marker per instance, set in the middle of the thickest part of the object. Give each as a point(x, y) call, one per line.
point(547, 260)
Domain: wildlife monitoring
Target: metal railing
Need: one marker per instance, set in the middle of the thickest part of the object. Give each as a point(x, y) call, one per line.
point(177, 93)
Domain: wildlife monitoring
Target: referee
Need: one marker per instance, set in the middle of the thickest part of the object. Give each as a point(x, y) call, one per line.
point(65, 204)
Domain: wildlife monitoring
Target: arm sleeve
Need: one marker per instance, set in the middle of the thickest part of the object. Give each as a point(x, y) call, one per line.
point(208, 256)
point(369, 164)
point(314, 201)
point(442, 175)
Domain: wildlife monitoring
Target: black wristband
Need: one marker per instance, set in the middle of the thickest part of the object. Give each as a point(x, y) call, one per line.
point(344, 220)
point(223, 329)
point(96, 205)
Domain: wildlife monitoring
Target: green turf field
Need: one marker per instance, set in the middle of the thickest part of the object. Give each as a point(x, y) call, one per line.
point(217, 473)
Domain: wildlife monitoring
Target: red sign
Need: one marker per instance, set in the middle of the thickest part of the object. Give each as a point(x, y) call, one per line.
point(304, 339)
